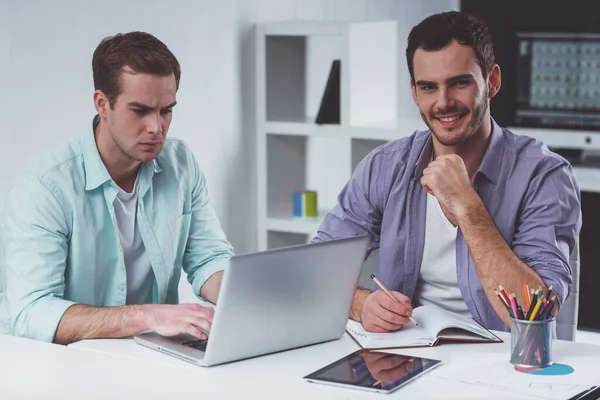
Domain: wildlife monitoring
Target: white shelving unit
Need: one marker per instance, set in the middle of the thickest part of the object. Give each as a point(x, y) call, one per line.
point(293, 61)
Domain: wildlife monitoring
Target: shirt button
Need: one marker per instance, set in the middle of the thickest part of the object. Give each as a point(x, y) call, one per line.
point(122, 288)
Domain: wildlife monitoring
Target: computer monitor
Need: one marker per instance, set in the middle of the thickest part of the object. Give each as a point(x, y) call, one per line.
point(557, 96)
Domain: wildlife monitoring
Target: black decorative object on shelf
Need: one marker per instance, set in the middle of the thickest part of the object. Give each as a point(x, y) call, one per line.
point(329, 110)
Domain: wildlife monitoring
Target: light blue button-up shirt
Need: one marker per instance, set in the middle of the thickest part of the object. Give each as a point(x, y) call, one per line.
point(60, 240)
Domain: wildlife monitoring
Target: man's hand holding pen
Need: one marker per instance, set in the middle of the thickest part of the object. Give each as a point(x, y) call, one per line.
point(385, 311)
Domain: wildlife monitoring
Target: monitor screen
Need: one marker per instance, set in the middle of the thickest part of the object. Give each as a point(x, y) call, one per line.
point(558, 80)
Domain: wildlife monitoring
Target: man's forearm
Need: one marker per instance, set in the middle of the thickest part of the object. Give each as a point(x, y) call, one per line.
point(81, 322)
point(211, 288)
point(494, 260)
point(357, 303)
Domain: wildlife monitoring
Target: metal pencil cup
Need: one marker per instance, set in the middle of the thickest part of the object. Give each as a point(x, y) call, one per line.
point(531, 342)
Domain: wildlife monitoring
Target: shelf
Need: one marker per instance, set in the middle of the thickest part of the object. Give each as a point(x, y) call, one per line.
point(307, 226)
point(305, 128)
point(383, 131)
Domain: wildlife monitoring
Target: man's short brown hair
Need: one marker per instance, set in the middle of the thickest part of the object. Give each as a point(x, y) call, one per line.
point(140, 51)
point(439, 30)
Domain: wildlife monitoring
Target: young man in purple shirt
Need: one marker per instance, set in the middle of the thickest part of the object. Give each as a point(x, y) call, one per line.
point(464, 206)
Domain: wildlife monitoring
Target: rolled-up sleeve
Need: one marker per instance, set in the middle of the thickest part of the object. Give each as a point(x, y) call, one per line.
point(549, 227)
point(35, 247)
point(359, 208)
point(207, 249)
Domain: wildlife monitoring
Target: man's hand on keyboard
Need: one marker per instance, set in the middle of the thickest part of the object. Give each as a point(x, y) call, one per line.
point(171, 320)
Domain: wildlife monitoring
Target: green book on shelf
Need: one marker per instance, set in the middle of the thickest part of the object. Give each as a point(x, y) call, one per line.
point(311, 203)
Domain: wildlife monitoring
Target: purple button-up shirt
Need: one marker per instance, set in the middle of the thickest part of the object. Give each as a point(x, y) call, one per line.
point(530, 193)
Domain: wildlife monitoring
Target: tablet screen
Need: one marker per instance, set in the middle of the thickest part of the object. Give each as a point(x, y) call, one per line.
point(373, 370)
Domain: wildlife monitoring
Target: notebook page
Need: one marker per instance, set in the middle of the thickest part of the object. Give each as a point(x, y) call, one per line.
point(407, 336)
point(434, 320)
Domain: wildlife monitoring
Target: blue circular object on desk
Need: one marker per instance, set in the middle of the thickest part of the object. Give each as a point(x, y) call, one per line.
point(554, 369)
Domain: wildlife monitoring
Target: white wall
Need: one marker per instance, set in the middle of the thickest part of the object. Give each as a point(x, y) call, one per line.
point(46, 79)
point(4, 98)
point(4, 72)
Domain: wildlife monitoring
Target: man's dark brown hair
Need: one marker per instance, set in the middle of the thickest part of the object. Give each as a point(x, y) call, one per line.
point(437, 31)
point(140, 51)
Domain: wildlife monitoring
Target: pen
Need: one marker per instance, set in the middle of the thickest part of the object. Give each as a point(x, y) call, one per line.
point(389, 294)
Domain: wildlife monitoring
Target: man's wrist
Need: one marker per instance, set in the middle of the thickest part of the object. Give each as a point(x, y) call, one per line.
point(470, 205)
point(140, 316)
point(360, 295)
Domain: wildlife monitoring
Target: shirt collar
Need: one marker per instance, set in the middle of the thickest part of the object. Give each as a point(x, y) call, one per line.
point(490, 165)
point(425, 156)
point(96, 173)
point(492, 160)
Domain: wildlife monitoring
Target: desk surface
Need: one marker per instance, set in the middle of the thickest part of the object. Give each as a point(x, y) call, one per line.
point(105, 368)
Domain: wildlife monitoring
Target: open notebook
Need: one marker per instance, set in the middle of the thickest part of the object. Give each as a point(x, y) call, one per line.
point(435, 324)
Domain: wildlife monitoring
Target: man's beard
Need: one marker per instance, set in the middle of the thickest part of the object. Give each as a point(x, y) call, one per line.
point(474, 124)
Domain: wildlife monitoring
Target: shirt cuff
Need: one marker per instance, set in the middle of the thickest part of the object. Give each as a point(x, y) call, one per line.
point(204, 273)
point(41, 321)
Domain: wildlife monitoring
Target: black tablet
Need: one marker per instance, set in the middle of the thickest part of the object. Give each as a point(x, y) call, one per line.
point(373, 370)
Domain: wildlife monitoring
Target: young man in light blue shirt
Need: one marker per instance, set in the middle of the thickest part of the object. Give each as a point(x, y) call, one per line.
point(94, 238)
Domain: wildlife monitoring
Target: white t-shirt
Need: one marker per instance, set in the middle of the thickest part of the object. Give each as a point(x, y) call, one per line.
point(137, 265)
point(438, 280)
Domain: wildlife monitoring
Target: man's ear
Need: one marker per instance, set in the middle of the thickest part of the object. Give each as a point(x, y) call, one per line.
point(494, 80)
point(101, 103)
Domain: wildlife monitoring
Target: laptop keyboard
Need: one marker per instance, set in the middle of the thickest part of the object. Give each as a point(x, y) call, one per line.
point(197, 344)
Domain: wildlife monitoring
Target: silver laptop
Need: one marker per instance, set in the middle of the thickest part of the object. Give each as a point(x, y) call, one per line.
point(275, 300)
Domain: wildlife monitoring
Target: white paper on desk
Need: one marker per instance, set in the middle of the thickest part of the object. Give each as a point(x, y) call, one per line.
point(547, 389)
point(495, 373)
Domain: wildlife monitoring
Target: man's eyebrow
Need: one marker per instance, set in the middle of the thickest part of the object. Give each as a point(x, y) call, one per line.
point(138, 104)
point(425, 83)
point(145, 106)
point(460, 78)
point(449, 80)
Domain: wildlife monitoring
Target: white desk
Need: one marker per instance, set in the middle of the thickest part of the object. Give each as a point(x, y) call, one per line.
point(92, 369)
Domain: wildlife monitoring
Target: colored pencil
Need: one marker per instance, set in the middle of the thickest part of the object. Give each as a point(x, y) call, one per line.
point(513, 305)
point(504, 294)
point(502, 300)
point(533, 314)
point(527, 296)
